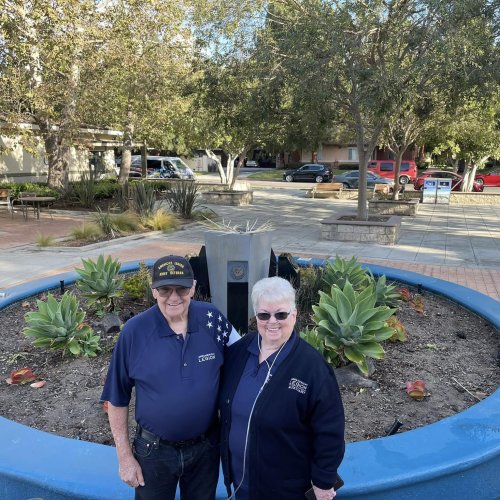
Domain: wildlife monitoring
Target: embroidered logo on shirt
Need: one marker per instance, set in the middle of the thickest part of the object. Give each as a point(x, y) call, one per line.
point(206, 357)
point(297, 385)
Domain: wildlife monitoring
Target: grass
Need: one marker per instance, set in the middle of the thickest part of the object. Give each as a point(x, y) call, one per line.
point(87, 231)
point(161, 221)
point(272, 175)
point(43, 240)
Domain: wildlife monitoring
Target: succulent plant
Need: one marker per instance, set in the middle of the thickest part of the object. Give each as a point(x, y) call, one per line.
point(99, 282)
point(59, 326)
point(340, 271)
point(351, 325)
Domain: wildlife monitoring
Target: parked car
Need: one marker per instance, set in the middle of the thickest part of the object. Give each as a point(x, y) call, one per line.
point(251, 164)
point(385, 168)
point(309, 172)
point(160, 167)
point(350, 180)
point(490, 179)
point(456, 180)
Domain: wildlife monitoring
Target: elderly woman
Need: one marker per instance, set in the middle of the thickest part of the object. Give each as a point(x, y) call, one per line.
point(281, 411)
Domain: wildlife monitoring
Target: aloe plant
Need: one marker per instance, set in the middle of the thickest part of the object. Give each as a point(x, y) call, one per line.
point(99, 283)
point(351, 325)
point(59, 326)
point(340, 271)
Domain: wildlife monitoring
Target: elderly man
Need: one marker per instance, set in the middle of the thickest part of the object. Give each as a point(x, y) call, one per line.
point(172, 354)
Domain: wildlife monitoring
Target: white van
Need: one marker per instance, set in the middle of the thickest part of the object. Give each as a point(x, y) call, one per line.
point(161, 167)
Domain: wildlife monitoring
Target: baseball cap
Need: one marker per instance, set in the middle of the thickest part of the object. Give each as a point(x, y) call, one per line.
point(172, 270)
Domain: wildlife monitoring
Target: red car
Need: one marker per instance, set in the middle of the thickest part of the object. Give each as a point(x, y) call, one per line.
point(456, 180)
point(490, 179)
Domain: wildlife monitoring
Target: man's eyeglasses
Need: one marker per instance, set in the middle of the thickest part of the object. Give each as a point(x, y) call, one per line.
point(280, 315)
point(167, 291)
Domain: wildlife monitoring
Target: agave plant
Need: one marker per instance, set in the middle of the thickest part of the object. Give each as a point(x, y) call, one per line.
point(340, 271)
point(143, 198)
point(99, 283)
point(59, 326)
point(387, 295)
point(351, 325)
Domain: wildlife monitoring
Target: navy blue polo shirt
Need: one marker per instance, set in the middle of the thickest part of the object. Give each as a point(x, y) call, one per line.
point(251, 381)
point(176, 380)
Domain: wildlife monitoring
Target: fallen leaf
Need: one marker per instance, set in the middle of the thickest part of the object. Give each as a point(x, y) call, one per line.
point(37, 385)
point(23, 376)
point(25, 304)
point(416, 389)
point(9, 381)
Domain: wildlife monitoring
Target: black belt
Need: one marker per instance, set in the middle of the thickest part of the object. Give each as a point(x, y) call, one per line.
point(176, 444)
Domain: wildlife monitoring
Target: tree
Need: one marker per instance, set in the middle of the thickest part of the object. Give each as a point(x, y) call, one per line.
point(43, 47)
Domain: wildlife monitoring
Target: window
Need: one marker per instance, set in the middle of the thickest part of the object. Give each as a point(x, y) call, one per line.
point(352, 154)
point(405, 166)
point(386, 166)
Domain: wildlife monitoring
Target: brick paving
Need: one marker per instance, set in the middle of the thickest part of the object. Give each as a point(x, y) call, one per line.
point(457, 244)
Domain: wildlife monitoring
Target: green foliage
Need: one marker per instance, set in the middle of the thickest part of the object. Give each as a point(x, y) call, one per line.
point(387, 295)
point(143, 197)
point(106, 188)
point(43, 240)
point(59, 326)
point(122, 196)
point(340, 271)
point(311, 281)
point(161, 221)
point(32, 187)
point(138, 284)
point(126, 222)
point(106, 222)
point(182, 197)
point(85, 190)
point(351, 325)
point(87, 231)
point(310, 335)
point(99, 283)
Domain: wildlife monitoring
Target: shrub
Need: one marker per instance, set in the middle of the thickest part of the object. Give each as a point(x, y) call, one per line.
point(340, 271)
point(106, 222)
point(85, 190)
point(99, 283)
point(106, 188)
point(43, 240)
point(143, 199)
point(87, 231)
point(182, 197)
point(387, 295)
point(138, 284)
point(126, 222)
point(351, 325)
point(161, 221)
point(311, 282)
point(59, 326)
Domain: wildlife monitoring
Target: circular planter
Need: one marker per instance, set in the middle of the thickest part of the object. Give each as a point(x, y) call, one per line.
point(457, 457)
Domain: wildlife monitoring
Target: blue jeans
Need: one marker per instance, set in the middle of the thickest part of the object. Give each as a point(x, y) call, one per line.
point(195, 468)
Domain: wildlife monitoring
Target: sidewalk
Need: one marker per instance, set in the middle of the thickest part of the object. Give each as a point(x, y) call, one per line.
point(460, 244)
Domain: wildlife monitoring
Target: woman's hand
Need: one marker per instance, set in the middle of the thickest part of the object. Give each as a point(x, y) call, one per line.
point(324, 494)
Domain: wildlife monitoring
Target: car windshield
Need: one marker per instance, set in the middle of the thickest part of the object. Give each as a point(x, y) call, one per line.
point(179, 164)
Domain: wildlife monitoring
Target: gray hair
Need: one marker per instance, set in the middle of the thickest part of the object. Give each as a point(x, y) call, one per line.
point(273, 290)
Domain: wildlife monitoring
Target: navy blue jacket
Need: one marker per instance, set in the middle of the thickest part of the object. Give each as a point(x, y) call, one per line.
point(297, 427)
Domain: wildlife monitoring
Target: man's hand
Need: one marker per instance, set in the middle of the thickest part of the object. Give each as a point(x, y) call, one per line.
point(324, 494)
point(130, 472)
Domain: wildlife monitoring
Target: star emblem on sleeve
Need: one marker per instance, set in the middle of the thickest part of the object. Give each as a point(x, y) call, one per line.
point(209, 314)
point(209, 324)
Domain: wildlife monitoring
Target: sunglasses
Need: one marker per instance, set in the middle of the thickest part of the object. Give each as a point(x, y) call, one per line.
point(167, 291)
point(280, 316)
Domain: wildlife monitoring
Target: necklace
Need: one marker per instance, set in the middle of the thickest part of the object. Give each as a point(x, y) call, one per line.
point(270, 366)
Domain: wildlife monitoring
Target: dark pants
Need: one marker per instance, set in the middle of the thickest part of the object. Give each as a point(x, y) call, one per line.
point(195, 468)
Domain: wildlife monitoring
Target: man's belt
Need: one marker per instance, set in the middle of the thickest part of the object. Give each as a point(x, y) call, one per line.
point(149, 436)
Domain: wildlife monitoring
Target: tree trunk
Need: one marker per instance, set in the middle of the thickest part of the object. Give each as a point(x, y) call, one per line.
point(397, 170)
point(128, 134)
point(220, 168)
point(58, 154)
point(234, 174)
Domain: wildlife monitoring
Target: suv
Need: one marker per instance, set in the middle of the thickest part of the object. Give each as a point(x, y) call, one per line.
point(456, 180)
point(385, 168)
point(309, 172)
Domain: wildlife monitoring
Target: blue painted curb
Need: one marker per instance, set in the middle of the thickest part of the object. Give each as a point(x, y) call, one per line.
point(457, 457)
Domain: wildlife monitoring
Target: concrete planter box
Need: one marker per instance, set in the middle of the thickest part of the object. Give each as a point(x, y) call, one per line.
point(231, 198)
point(393, 207)
point(383, 233)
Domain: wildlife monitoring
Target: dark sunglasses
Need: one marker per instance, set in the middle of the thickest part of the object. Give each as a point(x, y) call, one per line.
point(166, 291)
point(280, 316)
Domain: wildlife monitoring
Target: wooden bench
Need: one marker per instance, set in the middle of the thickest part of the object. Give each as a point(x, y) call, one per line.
point(381, 188)
point(326, 189)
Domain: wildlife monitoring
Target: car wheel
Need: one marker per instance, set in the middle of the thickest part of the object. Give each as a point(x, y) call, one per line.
point(289, 178)
point(319, 178)
point(346, 186)
point(479, 181)
point(403, 179)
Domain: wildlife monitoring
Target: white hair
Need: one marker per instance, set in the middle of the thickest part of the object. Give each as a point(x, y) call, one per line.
point(273, 290)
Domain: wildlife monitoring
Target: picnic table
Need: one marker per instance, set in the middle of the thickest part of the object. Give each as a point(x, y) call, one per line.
point(36, 202)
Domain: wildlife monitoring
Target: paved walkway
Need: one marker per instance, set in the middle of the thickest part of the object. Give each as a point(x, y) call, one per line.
point(456, 243)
